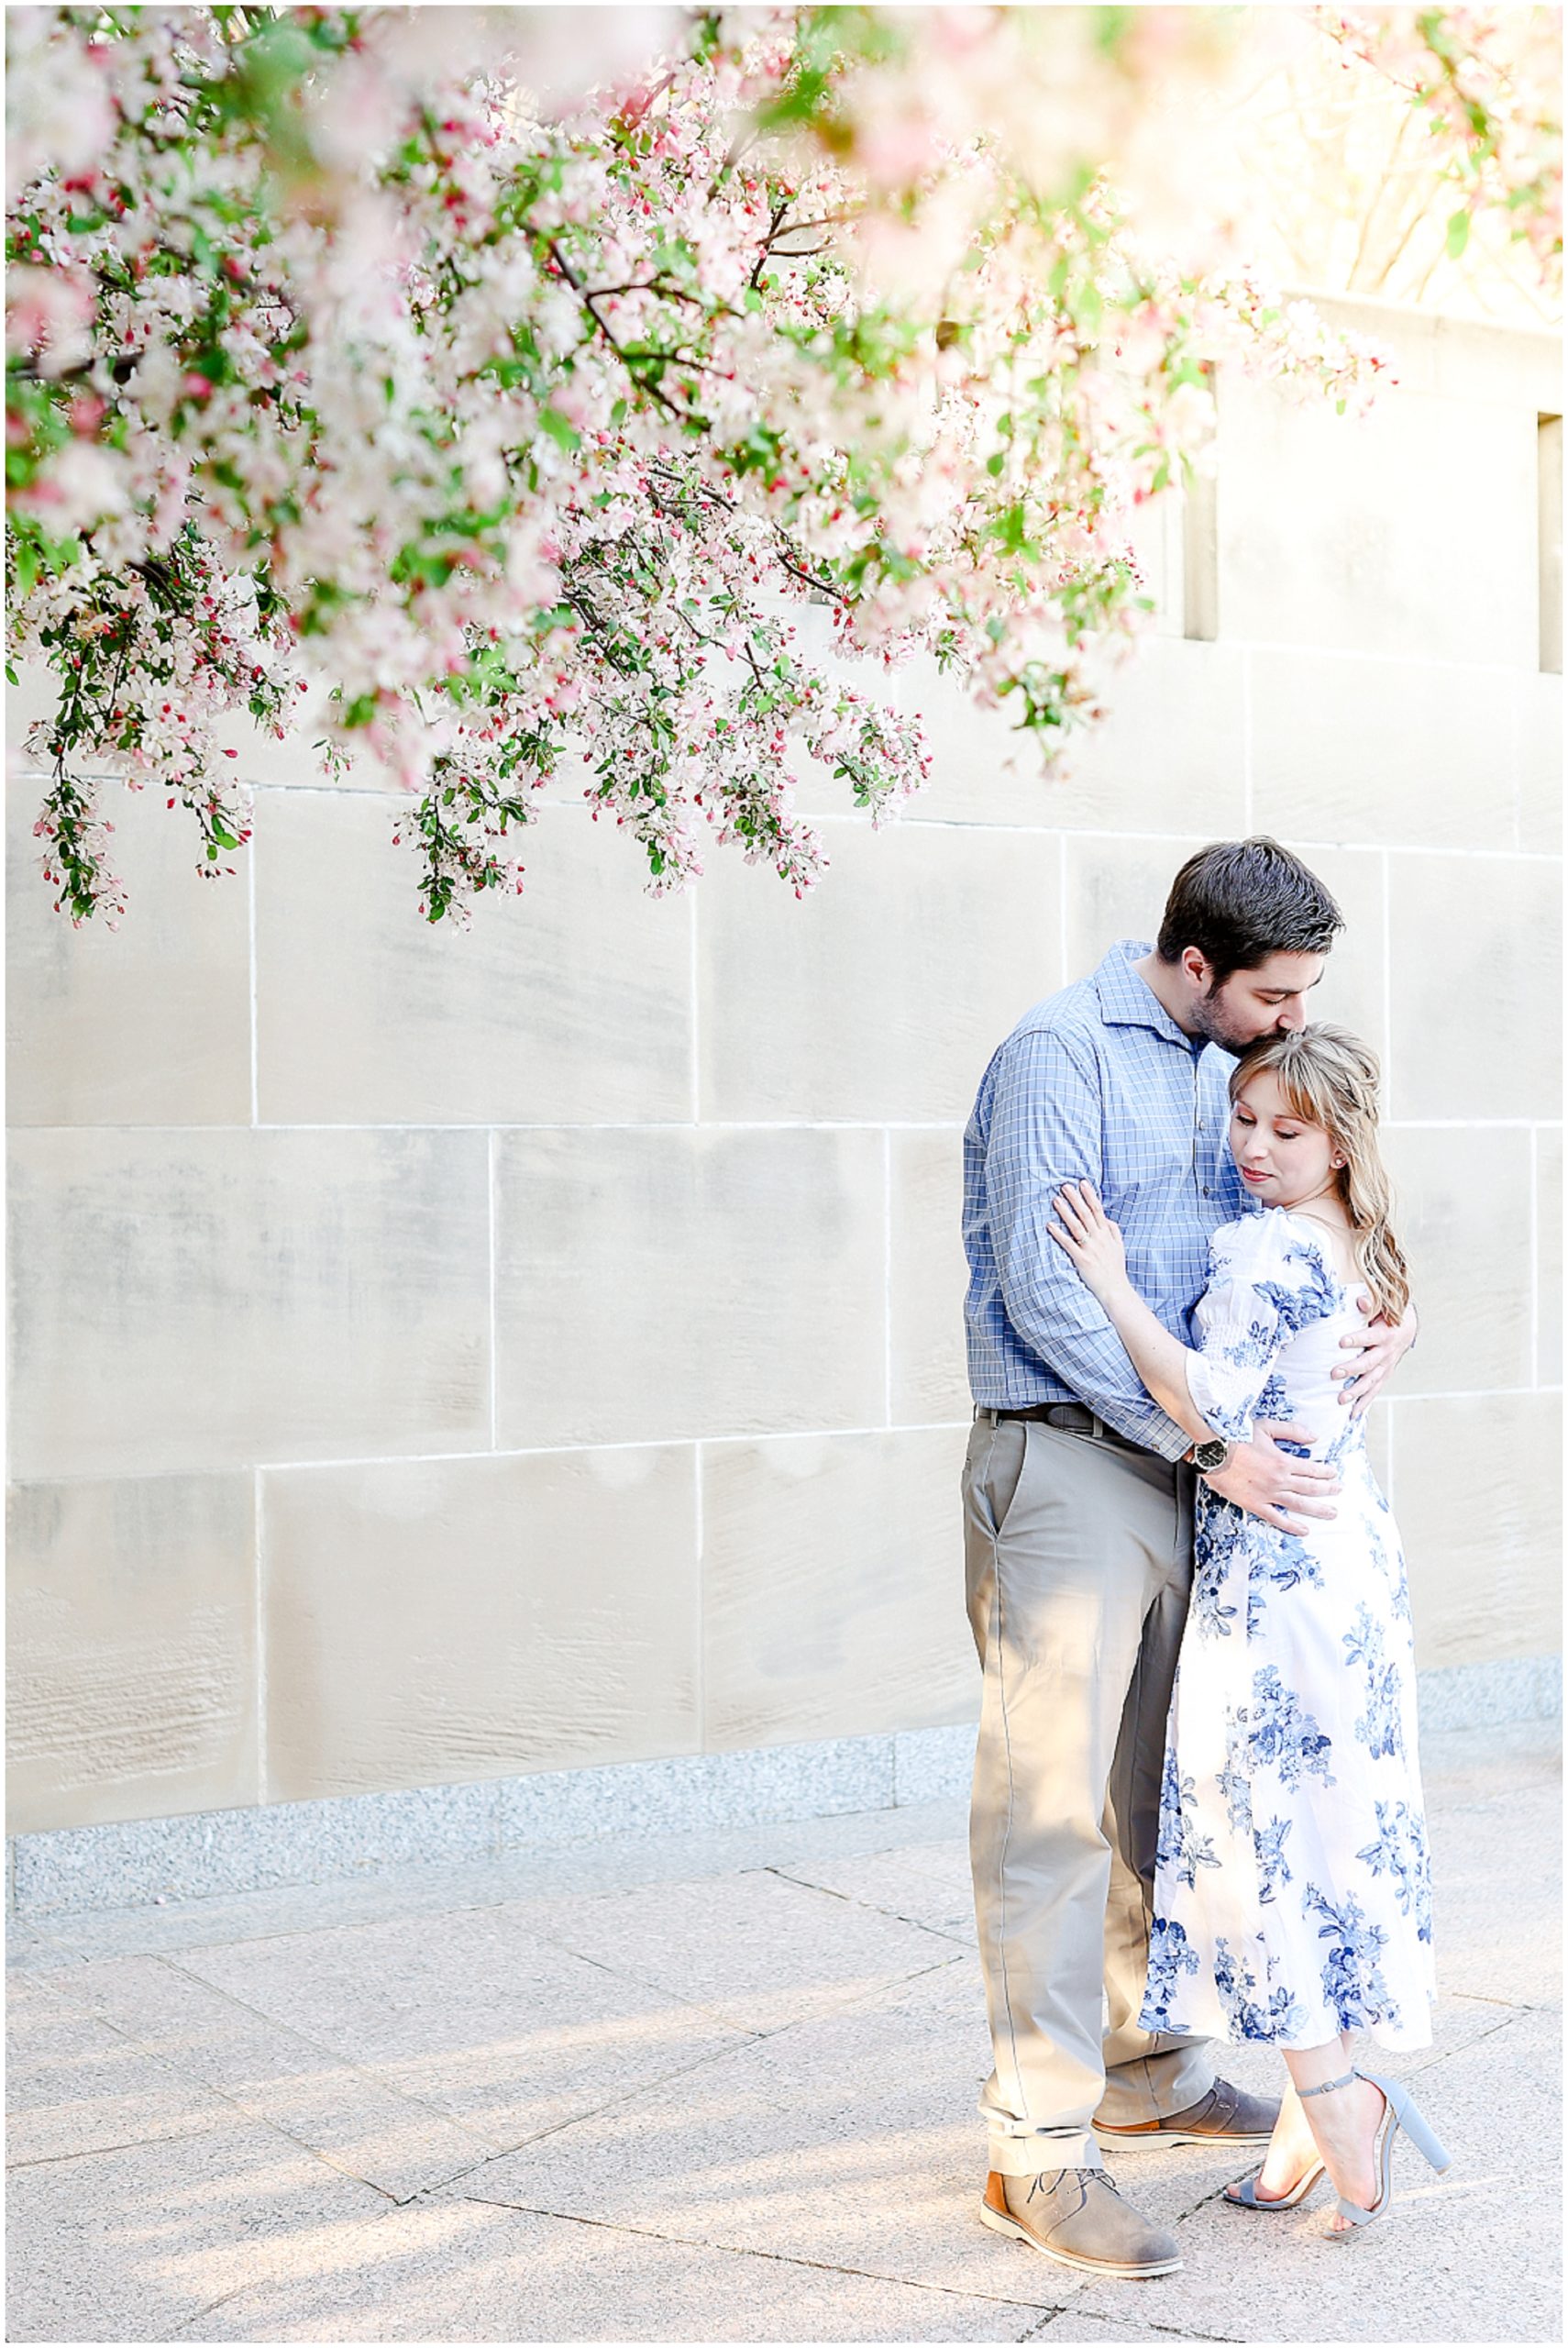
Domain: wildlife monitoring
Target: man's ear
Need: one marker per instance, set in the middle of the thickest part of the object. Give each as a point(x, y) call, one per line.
point(1195, 966)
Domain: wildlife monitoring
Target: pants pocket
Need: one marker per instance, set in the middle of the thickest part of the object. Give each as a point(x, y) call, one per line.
point(1004, 1468)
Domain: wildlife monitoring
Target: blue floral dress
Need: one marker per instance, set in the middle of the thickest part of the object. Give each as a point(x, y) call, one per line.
point(1292, 1892)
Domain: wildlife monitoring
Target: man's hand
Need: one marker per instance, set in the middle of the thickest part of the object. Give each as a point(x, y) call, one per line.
point(1375, 1352)
point(1269, 1483)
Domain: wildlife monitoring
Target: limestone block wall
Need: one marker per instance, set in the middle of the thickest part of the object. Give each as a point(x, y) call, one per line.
point(438, 1357)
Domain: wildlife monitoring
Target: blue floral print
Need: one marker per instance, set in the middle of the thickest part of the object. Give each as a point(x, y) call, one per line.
point(1247, 1313)
point(1379, 1727)
point(1282, 1915)
point(1272, 1868)
point(1170, 1957)
point(1252, 2009)
point(1274, 1403)
point(1237, 1788)
point(1280, 1734)
point(1353, 1984)
point(1399, 1851)
point(1182, 1847)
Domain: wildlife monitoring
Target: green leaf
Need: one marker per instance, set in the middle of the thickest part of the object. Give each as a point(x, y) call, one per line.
point(11, 676)
point(566, 435)
point(1458, 233)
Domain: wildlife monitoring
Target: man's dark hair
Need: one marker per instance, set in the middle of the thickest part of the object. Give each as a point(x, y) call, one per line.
point(1241, 901)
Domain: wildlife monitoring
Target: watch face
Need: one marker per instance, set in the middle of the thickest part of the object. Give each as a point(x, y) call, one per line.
point(1211, 1453)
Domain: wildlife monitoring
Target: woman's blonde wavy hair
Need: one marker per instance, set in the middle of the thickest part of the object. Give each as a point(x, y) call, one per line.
point(1328, 1078)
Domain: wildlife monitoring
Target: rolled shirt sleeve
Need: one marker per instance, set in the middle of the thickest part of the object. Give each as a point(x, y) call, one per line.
point(1044, 1131)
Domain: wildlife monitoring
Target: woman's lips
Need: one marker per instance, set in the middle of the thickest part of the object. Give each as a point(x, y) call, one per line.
point(1248, 1176)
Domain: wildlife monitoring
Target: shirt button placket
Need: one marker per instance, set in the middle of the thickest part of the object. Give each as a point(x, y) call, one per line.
point(1197, 1133)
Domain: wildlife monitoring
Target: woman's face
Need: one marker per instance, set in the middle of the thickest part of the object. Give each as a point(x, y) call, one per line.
point(1281, 1159)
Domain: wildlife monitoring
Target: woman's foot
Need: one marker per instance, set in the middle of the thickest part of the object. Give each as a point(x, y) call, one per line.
point(1344, 2123)
point(1292, 2151)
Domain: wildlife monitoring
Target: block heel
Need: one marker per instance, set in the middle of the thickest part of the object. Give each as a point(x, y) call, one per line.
point(1399, 2112)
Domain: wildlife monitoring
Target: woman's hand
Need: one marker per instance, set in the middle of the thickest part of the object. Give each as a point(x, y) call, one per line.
point(1090, 1238)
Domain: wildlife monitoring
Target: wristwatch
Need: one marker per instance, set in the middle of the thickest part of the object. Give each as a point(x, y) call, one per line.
point(1209, 1457)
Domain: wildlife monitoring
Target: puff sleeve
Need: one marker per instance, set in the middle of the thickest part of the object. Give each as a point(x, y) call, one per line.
point(1266, 1281)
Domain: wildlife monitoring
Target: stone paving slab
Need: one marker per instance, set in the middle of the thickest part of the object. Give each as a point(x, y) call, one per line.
point(1497, 1898)
point(851, 2138)
point(482, 2019)
point(272, 2073)
point(74, 2085)
point(925, 1883)
point(760, 1950)
point(719, 2089)
point(130, 2245)
point(27, 1949)
point(1469, 2258)
point(465, 2270)
point(1077, 2328)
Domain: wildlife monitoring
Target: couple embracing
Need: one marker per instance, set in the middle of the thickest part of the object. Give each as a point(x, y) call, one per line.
point(1196, 1782)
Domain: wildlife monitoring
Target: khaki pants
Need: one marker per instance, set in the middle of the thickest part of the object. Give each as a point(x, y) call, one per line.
point(1080, 1562)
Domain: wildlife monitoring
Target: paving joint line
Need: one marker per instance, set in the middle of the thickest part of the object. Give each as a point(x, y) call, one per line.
point(617, 1973)
point(1480, 2039)
point(182, 2329)
point(136, 2143)
point(874, 1906)
point(645, 2086)
point(745, 2250)
point(865, 1997)
point(577, 2119)
point(750, 2033)
point(316, 2046)
point(1040, 2326)
point(285, 2029)
point(1171, 2330)
point(254, 2119)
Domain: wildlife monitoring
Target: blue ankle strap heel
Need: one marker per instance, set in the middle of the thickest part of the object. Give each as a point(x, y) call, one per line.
point(1398, 2111)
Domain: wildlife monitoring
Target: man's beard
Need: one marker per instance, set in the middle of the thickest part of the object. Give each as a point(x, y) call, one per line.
point(1208, 1017)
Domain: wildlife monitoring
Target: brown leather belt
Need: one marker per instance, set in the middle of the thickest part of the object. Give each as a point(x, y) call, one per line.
point(1074, 1418)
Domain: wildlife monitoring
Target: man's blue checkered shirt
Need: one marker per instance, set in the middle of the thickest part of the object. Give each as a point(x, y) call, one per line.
point(1098, 1083)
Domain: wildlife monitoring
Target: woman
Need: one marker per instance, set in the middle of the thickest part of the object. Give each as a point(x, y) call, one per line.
point(1292, 1890)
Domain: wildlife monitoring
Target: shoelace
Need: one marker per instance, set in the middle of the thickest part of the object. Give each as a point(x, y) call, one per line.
point(1056, 2175)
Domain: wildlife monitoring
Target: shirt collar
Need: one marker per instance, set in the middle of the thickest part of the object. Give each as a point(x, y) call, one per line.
point(1128, 1001)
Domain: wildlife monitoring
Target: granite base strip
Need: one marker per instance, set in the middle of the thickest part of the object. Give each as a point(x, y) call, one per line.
point(136, 1862)
point(1480, 1695)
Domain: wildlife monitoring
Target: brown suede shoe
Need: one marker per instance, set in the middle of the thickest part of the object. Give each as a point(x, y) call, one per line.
point(1076, 2216)
point(1226, 2115)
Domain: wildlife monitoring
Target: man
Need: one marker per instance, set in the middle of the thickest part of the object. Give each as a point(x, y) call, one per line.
point(1079, 1494)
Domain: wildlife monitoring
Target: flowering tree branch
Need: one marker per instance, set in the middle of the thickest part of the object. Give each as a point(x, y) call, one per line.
point(334, 353)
